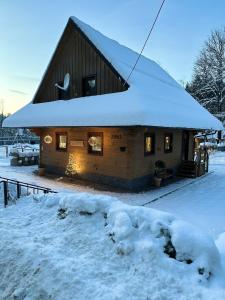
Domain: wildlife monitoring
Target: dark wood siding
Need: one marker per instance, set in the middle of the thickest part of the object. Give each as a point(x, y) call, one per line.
point(76, 55)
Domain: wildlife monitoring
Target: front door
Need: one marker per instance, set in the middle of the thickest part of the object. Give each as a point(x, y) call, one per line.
point(185, 145)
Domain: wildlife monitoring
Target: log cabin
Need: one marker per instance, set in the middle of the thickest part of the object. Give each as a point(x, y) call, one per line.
point(96, 125)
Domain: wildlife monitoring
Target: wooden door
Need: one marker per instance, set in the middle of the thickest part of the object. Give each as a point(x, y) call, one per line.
point(185, 145)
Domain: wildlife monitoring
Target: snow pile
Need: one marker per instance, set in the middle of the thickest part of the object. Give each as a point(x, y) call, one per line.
point(220, 243)
point(141, 230)
point(80, 245)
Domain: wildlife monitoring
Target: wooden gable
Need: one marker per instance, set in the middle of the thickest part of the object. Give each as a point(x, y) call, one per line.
point(76, 55)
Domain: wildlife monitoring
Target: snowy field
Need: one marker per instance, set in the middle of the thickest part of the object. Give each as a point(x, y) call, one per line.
point(87, 244)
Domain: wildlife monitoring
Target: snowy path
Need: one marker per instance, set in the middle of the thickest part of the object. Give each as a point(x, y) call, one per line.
point(203, 202)
point(200, 201)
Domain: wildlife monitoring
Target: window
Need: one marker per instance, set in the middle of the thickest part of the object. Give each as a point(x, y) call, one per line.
point(61, 141)
point(89, 86)
point(95, 143)
point(168, 143)
point(149, 144)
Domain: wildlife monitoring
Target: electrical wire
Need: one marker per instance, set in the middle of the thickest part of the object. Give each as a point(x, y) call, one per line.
point(148, 36)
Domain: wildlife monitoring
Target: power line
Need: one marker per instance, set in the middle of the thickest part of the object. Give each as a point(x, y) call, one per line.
point(153, 25)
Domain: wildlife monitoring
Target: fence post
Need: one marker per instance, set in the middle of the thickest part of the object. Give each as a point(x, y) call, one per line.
point(5, 184)
point(18, 190)
point(7, 151)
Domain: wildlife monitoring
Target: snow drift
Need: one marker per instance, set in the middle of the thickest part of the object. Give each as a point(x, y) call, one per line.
point(80, 245)
point(140, 230)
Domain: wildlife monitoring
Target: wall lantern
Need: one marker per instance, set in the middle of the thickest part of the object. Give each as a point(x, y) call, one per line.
point(48, 139)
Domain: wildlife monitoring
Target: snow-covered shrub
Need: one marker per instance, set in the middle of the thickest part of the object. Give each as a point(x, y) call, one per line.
point(141, 231)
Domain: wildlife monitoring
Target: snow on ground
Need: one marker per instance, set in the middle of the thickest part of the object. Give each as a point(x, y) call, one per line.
point(193, 201)
point(96, 247)
point(88, 255)
point(203, 202)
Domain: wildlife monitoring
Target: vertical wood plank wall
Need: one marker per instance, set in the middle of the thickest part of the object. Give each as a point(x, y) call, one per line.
point(75, 55)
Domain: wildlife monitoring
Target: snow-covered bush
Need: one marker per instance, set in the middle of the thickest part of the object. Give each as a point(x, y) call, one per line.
point(142, 232)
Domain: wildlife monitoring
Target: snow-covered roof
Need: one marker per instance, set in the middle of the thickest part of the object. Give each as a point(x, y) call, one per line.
point(153, 98)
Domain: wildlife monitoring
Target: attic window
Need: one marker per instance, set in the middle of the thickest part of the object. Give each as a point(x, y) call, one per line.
point(168, 143)
point(89, 86)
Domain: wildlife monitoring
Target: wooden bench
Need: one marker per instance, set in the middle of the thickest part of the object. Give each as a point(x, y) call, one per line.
point(164, 173)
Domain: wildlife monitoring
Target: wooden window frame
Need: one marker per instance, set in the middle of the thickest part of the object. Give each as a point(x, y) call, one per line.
point(90, 151)
point(57, 135)
point(83, 85)
point(168, 134)
point(151, 135)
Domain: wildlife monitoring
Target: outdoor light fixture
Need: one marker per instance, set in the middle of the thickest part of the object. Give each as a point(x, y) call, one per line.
point(48, 139)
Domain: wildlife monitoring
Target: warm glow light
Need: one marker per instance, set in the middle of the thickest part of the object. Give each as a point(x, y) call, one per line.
point(148, 144)
point(96, 143)
point(74, 166)
point(167, 143)
point(62, 141)
point(48, 139)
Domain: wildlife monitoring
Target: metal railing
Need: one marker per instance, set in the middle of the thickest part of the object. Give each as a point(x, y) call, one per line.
point(30, 188)
point(10, 140)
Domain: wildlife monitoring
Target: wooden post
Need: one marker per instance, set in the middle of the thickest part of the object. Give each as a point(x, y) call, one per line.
point(18, 190)
point(7, 151)
point(206, 161)
point(5, 185)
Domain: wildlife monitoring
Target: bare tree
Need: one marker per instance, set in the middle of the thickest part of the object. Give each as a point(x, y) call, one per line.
point(208, 82)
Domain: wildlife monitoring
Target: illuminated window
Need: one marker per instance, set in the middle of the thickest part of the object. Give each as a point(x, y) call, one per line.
point(149, 143)
point(61, 141)
point(168, 142)
point(89, 86)
point(95, 143)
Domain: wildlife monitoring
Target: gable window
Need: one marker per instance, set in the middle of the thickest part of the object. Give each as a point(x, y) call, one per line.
point(95, 143)
point(149, 144)
point(61, 141)
point(89, 86)
point(168, 143)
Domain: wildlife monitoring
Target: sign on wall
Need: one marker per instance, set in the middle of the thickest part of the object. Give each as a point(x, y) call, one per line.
point(77, 143)
point(116, 136)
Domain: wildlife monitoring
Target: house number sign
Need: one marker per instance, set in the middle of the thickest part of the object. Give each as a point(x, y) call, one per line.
point(116, 136)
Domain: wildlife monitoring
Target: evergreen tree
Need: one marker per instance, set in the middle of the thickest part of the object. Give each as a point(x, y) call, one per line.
point(208, 81)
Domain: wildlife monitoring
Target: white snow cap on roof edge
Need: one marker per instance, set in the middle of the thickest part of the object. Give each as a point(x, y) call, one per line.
point(154, 98)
